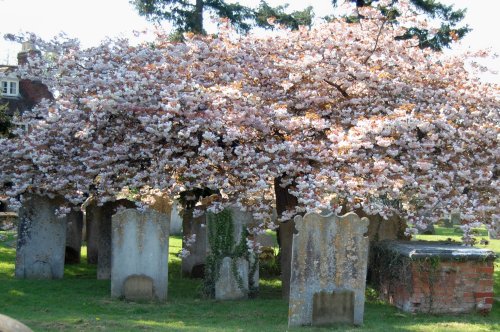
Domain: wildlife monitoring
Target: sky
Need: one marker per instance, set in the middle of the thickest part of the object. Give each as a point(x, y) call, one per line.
point(93, 20)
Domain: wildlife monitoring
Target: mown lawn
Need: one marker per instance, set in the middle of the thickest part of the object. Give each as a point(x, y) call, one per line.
point(79, 302)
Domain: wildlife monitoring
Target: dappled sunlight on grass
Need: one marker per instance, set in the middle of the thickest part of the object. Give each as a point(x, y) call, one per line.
point(79, 302)
point(448, 327)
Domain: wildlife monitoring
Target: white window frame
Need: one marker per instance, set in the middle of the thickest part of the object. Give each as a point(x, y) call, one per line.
point(9, 88)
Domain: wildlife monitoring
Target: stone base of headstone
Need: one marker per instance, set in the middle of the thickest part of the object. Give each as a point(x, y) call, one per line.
point(231, 285)
point(140, 255)
point(41, 239)
point(333, 308)
point(329, 264)
point(8, 324)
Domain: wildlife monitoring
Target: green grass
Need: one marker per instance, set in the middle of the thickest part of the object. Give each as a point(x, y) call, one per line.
point(79, 302)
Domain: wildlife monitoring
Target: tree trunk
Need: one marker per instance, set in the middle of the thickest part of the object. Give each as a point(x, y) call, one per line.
point(285, 201)
point(198, 17)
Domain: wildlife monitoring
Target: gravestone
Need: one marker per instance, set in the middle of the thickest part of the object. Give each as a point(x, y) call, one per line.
point(193, 265)
point(140, 255)
point(8, 324)
point(494, 229)
point(41, 239)
point(230, 286)
point(73, 237)
point(241, 221)
point(455, 217)
point(329, 263)
point(99, 233)
point(175, 219)
point(92, 212)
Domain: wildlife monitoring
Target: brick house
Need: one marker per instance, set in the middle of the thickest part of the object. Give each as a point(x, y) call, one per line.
point(21, 95)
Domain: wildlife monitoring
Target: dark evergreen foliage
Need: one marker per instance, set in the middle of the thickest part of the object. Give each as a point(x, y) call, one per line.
point(448, 32)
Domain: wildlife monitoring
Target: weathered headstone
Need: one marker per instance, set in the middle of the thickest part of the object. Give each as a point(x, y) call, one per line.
point(193, 265)
point(455, 217)
point(99, 233)
point(329, 262)
point(140, 255)
point(232, 285)
point(175, 219)
point(237, 275)
point(92, 232)
point(41, 239)
point(243, 220)
point(8, 324)
point(494, 229)
point(73, 237)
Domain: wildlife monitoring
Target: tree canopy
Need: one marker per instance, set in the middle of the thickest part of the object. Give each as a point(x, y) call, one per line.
point(351, 115)
point(187, 16)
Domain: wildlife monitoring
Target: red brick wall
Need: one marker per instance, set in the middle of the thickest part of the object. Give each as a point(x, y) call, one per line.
point(442, 287)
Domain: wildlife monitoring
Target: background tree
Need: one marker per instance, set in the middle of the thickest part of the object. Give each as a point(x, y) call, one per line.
point(447, 16)
point(187, 16)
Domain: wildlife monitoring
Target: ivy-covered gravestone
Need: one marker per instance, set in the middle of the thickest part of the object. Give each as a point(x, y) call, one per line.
point(231, 270)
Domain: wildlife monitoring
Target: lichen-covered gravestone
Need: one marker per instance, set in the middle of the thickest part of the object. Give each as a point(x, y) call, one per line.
point(140, 255)
point(329, 262)
point(41, 239)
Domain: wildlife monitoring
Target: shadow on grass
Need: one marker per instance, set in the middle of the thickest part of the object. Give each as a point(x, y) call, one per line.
point(79, 302)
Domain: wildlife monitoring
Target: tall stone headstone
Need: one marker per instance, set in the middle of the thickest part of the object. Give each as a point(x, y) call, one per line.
point(193, 265)
point(92, 214)
point(74, 237)
point(329, 263)
point(99, 233)
point(237, 275)
point(140, 255)
point(41, 239)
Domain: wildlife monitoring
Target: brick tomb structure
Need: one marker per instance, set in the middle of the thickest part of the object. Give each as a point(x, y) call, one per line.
point(434, 277)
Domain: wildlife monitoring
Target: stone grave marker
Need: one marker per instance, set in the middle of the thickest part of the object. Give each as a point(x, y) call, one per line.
point(175, 219)
point(329, 263)
point(193, 265)
point(230, 286)
point(41, 239)
point(227, 286)
point(99, 233)
point(73, 237)
point(140, 255)
point(8, 324)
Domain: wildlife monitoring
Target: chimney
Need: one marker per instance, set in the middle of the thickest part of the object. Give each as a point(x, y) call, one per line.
point(27, 51)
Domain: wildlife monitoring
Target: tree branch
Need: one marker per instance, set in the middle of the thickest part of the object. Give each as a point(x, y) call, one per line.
point(338, 87)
